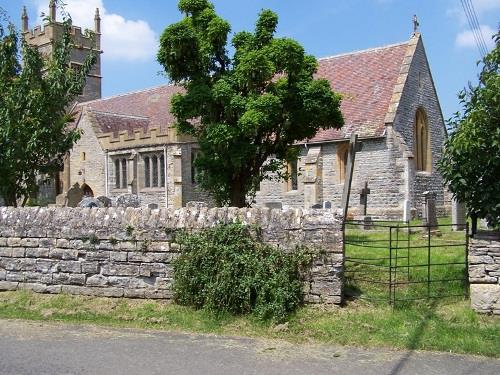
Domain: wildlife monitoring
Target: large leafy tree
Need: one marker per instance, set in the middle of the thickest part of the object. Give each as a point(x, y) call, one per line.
point(471, 160)
point(37, 93)
point(246, 110)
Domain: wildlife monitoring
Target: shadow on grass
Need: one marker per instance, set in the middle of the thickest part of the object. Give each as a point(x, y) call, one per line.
point(416, 338)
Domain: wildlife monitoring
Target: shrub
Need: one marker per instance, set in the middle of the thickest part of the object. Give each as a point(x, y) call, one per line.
point(228, 269)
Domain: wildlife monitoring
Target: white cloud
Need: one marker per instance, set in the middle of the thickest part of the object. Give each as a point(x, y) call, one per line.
point(465, 39)
point(122, 39)
point(483, 6)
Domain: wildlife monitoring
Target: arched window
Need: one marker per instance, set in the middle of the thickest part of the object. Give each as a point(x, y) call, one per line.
point(342, 155)
point(147, 172)
point(421, 146)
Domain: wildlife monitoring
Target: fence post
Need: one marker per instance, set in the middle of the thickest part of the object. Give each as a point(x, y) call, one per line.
point(428, 260)
point(467, 286)
point(390, 266)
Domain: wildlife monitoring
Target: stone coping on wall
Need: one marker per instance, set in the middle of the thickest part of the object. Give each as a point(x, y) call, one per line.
point(118, 252)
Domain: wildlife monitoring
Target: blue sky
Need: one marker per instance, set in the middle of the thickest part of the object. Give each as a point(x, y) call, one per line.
point(131, 30)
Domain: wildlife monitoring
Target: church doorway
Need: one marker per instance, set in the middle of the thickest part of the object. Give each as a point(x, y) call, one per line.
point(87, 191)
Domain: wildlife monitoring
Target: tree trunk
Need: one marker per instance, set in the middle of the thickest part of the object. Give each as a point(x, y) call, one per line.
point(238, 194)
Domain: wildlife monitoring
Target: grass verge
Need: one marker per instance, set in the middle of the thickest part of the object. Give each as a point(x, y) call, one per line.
point(436, 326)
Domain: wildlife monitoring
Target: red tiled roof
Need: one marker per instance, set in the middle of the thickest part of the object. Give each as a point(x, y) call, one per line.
point(153, 104)
point(116, 123)
point(366, 79)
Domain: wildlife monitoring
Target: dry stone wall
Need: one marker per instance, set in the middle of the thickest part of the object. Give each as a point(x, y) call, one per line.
point(116, 252)
point(484, 275)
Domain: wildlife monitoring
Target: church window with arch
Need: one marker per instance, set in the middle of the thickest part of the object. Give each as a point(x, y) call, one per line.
point(421, 146)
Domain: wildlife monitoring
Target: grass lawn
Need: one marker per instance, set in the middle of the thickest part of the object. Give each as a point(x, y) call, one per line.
point(397, 253)
point(451, 327)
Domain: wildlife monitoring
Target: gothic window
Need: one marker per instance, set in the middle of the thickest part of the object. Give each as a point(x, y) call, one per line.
point(293, 180)
point(147, 172)
point(421, 142)
point(154, 171)
point(342, 156)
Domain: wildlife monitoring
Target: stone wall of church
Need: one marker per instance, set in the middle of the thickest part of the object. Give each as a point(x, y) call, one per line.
point(419, 92)
point(87, 159)
point(118, 252)
point(378, 163)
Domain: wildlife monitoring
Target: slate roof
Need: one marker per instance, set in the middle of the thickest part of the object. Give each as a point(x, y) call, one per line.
point(366, 80)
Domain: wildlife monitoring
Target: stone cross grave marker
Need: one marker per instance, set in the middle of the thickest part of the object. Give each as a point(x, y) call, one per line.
point(458, 217)
point(363, 198)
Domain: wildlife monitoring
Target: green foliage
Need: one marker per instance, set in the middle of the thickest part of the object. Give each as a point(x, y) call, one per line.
point(227, 269)
point(471, 161)
point(35, 97)
point(245, 110)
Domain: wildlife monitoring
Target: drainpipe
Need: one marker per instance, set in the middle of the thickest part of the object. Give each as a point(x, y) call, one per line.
point(165, 174)
point(106, 173)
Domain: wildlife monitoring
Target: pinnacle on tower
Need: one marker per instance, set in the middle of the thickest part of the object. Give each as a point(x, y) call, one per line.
point(52, 10)
point(24, 19)
point(97, 21)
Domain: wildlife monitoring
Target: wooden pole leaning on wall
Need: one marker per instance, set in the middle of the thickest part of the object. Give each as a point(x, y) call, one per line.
point(354, 146)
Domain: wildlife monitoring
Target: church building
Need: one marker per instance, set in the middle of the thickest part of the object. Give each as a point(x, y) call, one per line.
point(129, 146)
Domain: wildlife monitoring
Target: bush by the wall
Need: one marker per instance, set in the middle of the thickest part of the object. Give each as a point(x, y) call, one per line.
point(228, 269)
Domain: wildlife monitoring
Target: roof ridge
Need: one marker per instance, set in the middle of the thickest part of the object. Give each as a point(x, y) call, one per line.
point(367, 50)
point(126, 94)
point(119, 114)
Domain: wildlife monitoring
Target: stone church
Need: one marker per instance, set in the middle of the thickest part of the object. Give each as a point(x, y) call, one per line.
point(128, 144)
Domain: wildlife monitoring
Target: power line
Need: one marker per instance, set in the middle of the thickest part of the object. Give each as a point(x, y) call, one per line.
point(471, 16)
point(481, 36)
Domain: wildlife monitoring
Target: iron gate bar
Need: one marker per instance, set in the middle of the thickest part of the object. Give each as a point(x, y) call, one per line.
point(350, 258)
point(423, 282)
point(433, 264)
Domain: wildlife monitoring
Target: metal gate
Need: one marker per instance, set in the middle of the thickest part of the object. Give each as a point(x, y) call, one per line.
point(395, 262)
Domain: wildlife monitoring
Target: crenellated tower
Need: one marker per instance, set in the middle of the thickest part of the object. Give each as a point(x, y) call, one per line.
point(44, 37)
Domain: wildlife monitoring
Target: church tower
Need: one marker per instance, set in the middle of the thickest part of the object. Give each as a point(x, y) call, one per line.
point(44, 38)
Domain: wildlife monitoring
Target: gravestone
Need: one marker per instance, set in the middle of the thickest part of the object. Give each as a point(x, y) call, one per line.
point(406, 210)
point(105, 201)
point(327, 205)
point(271, 205)
point(430, 218)
point(363, 198)
point(74, 195)
point(89, 202)
point(153, 206)
point(196, 204)
point(317, 206)
point(458, 217)
point(128, 200)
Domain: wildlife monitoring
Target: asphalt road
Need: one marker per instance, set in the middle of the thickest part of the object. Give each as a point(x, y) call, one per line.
point(47, 348)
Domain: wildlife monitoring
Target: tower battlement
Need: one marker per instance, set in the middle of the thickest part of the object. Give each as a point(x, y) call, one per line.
point(44, 38)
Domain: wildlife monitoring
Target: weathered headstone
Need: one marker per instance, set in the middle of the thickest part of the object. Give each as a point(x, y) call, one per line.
point(278, 205)
point(128, 200)
point(430, 209)
point(153, 206)
point(89, 202)
point(327, 205)
point(458, 217)
point(406, 210)
point(74, 195)
point(363, 198)
point(196, 204)
point(106, 202)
